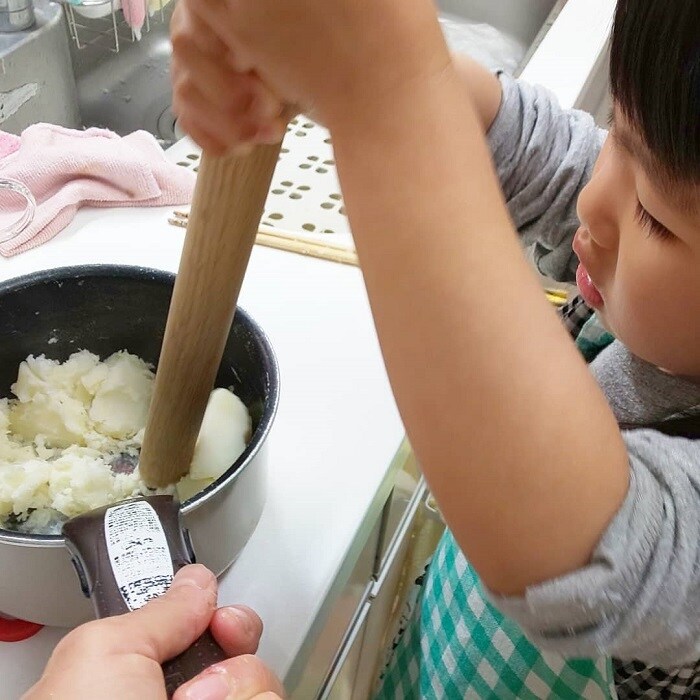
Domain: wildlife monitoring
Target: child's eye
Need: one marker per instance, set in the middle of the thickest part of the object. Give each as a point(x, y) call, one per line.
point(652, 226)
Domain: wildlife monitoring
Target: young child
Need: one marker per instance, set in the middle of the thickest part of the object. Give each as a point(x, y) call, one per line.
point(571, 492)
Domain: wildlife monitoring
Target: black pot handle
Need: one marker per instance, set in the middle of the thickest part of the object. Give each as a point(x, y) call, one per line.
point(127, 554)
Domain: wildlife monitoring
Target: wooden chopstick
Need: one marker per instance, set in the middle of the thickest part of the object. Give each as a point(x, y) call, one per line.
point(290, 242)
point(301, 245)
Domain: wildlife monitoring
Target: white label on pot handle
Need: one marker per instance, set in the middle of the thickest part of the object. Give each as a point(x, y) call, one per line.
point(138, 552)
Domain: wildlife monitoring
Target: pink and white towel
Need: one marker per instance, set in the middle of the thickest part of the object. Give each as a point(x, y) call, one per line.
point(66, 169)
point(135, 15)
point(9, 143)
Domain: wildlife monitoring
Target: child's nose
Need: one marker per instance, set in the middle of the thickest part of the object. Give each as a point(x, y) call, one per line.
point(597, 210)
point(603, 230)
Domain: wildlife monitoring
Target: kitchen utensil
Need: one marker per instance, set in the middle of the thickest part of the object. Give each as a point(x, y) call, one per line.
point(290, 242)
point(125, 555)
point(226, 210)
point(303, 245)
point(104, 309)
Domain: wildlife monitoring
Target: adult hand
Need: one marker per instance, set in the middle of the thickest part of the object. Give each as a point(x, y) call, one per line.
point(121, 656)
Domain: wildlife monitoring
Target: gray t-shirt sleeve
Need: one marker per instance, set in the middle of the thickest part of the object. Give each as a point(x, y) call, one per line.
point(639, 598)
point(544, 156)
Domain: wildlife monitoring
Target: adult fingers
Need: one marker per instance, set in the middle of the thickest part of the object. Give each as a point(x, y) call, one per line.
point(163, 628)
point(241, 678)
point(237, 629)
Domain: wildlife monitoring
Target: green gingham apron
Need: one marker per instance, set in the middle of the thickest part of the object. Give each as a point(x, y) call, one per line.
point(457, 645)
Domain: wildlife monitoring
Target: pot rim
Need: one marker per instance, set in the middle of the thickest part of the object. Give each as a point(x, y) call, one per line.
point(59, 274)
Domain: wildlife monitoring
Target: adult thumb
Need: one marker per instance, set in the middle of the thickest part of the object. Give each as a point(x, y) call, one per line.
point(169, 624)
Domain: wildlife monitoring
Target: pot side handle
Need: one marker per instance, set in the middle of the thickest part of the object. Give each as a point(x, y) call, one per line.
point(127, 554)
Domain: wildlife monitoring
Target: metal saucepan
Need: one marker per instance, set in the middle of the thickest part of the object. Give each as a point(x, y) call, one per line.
point(104, 309)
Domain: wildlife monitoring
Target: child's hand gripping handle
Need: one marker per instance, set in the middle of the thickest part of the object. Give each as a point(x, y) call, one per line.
point(127, 554)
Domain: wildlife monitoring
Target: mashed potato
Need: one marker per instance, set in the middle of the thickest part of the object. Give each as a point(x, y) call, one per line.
point(72, 423)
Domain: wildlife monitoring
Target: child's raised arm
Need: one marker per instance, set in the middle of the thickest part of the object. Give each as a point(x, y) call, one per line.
point(514, 436)
point(501, 424)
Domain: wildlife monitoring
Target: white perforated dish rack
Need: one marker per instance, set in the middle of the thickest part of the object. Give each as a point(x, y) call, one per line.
point(305, 197)
point(305, 200)
point(305, 194)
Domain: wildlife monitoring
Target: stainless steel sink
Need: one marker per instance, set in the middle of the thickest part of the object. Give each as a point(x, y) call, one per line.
point(36, 80)
point(501, 34)
point(131, 90)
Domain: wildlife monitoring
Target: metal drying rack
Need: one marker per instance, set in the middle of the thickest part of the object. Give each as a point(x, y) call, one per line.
point(106, 31)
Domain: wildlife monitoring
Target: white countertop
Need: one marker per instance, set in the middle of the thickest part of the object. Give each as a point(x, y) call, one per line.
point(332, 443)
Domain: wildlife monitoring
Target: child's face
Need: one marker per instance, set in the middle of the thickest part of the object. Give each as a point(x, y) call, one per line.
point(639, 246)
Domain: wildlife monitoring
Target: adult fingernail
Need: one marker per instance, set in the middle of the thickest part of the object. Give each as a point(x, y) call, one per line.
point(213, 686)
point(194, 575)
point(240, 617)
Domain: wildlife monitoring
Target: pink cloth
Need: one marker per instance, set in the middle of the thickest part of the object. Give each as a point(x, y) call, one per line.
point(135, 15)
point(9, 143)
point(66, 169)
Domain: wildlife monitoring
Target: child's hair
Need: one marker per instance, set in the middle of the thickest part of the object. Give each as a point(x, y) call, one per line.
point(655, 79)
